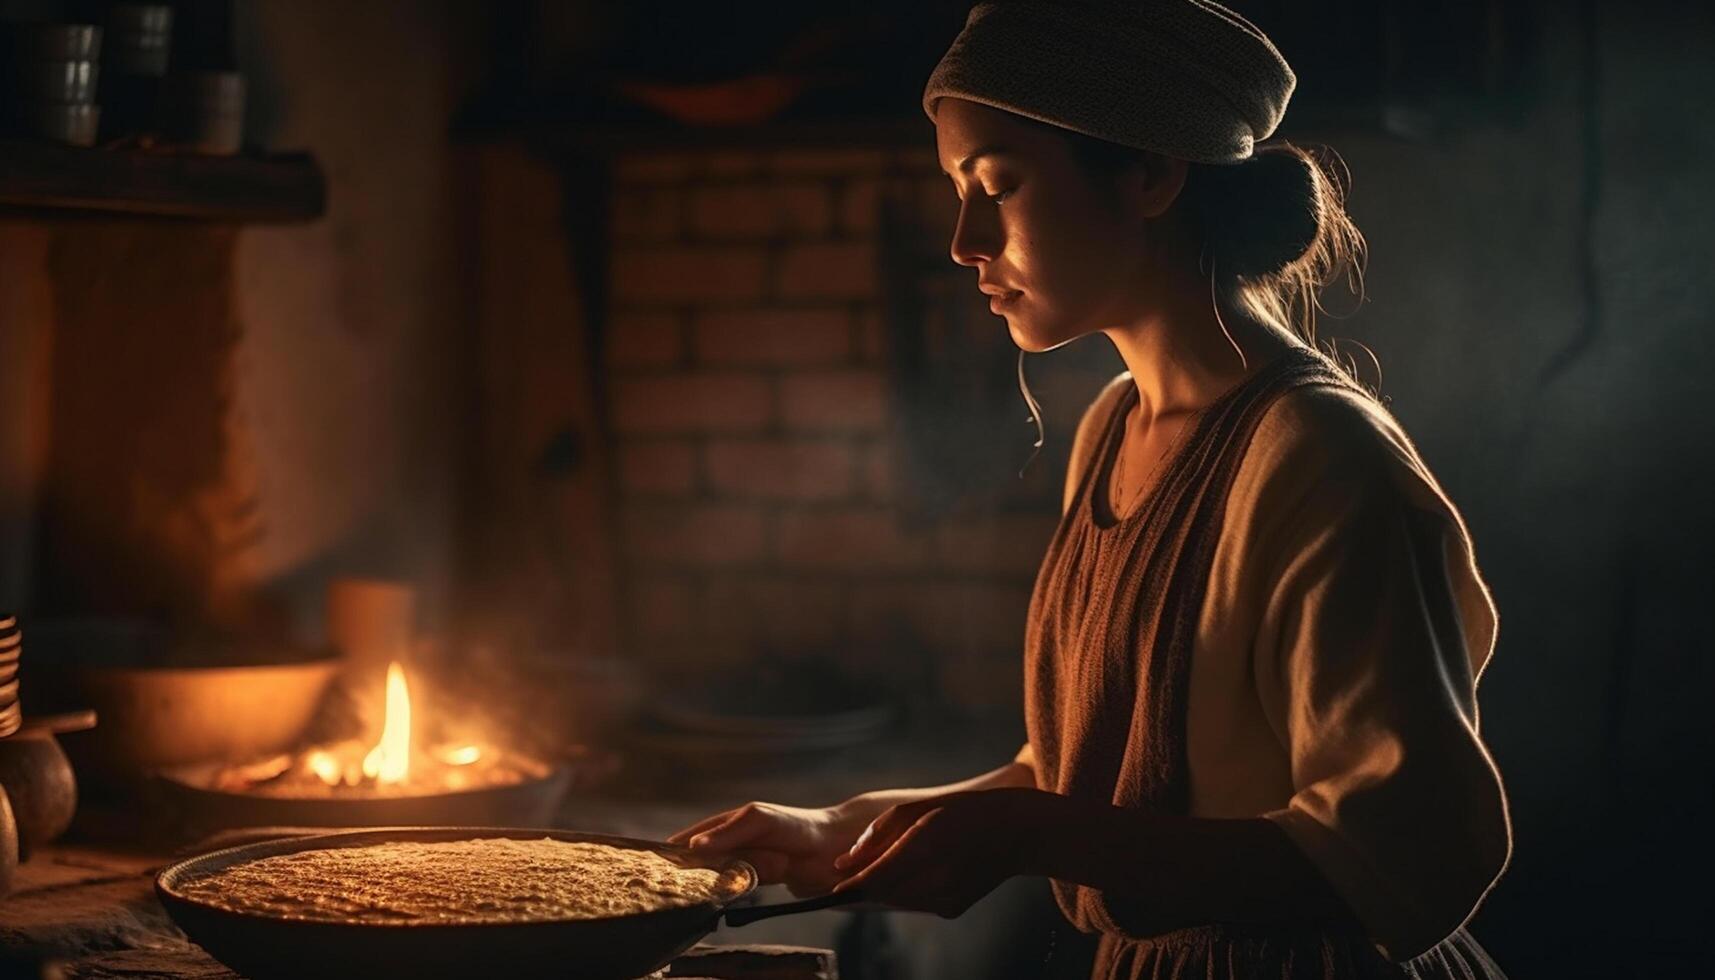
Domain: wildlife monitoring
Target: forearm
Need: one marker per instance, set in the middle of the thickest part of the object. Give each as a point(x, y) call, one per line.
point(1179, 871)
point(1013, 775)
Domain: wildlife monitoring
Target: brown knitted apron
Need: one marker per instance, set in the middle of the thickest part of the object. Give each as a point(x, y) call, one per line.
point(1108, 667)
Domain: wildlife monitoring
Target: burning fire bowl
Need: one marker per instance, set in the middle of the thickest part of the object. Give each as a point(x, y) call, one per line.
point(393, 782)
point(531, 802)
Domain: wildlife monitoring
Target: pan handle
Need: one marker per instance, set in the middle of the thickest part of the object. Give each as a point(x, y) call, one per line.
point(755, 913)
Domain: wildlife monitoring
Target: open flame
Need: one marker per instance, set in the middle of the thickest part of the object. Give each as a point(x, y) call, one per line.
point(393, 766)
point(390, 761)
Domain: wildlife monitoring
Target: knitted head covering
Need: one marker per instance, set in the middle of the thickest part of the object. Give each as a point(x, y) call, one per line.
point(1185, 78)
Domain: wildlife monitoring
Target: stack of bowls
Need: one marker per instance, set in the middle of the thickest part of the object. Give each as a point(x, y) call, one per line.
point(55, 73)
point(140, 38)
point(11, 648)
point(139, 41)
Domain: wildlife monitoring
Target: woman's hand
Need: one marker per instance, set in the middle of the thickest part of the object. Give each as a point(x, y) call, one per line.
point(786, 844)
point(943, 853)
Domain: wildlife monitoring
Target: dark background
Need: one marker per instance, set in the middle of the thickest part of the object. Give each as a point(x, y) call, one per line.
point(1533, 176)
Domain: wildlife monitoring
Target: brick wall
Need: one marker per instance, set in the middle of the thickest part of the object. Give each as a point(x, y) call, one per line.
point(756, 434)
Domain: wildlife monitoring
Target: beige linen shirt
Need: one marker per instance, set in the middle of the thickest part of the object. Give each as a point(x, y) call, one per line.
point(1333, 680)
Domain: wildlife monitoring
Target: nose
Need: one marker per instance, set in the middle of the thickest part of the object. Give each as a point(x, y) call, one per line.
point(977, 236)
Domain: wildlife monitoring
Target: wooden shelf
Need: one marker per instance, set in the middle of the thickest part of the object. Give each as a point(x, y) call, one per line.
point(44, 179)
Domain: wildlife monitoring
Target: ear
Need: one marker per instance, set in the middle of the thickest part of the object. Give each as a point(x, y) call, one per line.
point(1151, 187)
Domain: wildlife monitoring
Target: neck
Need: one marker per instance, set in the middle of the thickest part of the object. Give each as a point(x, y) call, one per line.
point(1181, 359)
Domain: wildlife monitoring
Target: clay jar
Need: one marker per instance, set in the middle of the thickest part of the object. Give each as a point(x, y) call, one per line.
point(8, 845)
point(38, 781)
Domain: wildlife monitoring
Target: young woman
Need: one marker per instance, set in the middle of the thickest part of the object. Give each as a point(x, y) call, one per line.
point(1252, 649)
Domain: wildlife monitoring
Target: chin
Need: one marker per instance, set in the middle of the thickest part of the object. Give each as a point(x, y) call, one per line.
point(1034, 337)
point(1027, 341)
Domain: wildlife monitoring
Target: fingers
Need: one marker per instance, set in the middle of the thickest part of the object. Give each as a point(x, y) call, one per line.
point(683, 837)
point(757, 825)
point(887, 867)
point(697, 832)
point(743, 827)
point(908, 876)
point(807, 877)
point(882, 832)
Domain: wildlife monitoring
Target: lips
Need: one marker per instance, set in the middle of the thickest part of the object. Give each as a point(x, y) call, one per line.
point(1000, 297)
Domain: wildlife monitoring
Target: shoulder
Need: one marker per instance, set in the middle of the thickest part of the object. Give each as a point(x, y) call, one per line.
point(1328, 459)
point(1102, 406)
point(1333, 439)
point(1089, 432)
point(1098, 412)
point(1329, 468)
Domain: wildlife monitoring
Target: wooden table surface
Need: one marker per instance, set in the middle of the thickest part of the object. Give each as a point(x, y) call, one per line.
point(83, 913)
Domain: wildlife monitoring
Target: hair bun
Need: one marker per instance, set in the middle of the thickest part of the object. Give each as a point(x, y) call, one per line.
point(1262, 215)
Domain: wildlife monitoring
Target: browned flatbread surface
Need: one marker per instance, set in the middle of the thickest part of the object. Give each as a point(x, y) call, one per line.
point(458, 882)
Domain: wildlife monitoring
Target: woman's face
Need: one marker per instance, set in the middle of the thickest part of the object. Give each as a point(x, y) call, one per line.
point(1062, 252)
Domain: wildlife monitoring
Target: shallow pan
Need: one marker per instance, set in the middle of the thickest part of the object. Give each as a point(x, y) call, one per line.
point(263, 946)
